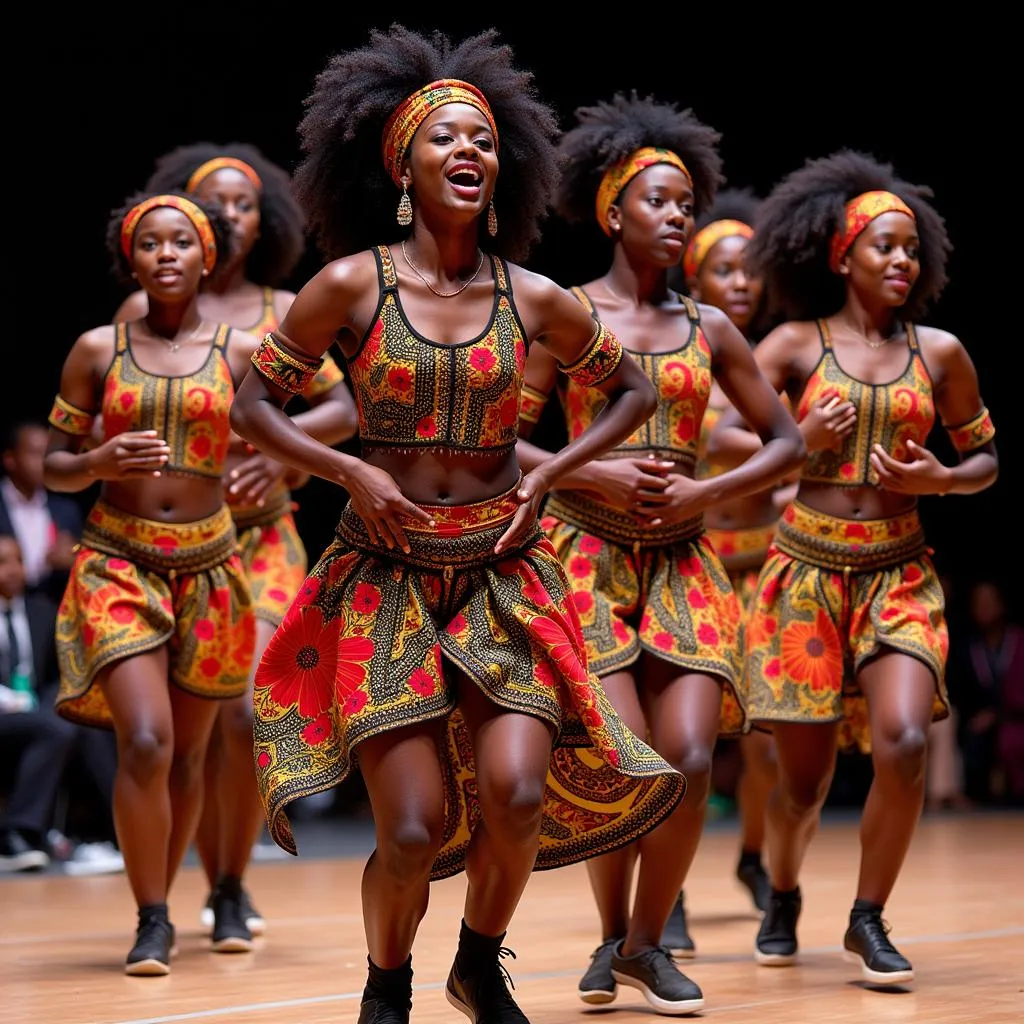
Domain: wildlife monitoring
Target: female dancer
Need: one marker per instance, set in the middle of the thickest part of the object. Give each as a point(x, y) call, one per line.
point(435, 640)
point(846, 638)
point(659, 616)
point(155, 627)
point(715, 272)
point(256, 195)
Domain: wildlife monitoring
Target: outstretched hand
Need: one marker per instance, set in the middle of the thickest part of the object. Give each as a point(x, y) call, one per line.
point(922, 473)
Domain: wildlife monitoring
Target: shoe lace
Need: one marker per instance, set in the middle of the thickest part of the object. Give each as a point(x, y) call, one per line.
point(503, 971)
point(878, 930)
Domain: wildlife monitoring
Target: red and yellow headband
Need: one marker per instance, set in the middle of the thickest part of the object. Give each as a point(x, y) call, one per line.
point(708, 237)
point(199, 221)
point(617, 177)
point(859, 213)
point(219, 163)
point(403, 124)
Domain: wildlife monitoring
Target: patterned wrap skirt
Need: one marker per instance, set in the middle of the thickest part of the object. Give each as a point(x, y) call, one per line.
point(832, 594)
point(137, 584)
point(743, 553)
point(363, 650)
point(661, 590)
point(272, 554)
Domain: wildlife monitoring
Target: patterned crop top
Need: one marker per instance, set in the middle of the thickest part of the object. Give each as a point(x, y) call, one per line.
point(683, 380)
point(189, 413)
point(413, 393)
point(888, 415)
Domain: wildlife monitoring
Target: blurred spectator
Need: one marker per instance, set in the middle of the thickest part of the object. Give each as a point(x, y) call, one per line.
point(989, 695)
point(40, 741)
point(47, 525)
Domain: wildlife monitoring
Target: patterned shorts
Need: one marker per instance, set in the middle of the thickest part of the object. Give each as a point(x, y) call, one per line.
point(137, 584)
point(743, 553)
point(833, 593)
point(666, 594)
point(273, 556)
point(369, 644)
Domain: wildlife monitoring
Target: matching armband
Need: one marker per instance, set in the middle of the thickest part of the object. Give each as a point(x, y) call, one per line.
point(531, 404)
point(64, 416)
point(599, 362)
point(973, 434)
point(285, 370)
point(327, 378)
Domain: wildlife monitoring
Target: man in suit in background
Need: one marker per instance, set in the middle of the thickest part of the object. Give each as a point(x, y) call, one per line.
point(31, 729)
point(47, 525)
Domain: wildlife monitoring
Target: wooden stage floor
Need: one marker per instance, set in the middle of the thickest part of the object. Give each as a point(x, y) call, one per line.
point(958, 913)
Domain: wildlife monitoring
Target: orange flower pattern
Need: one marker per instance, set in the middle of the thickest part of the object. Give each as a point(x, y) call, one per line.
point(275, 563)
point(832, 594)
point(363, 650)
point(136, 585)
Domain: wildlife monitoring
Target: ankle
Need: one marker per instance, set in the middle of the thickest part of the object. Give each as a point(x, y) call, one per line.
point(750, 858)
point(477, 950)
point(392, 984)
point(865, 908)
point(153, 912)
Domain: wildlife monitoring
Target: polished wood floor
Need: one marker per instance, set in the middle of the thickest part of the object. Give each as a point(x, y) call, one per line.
point(958, 913)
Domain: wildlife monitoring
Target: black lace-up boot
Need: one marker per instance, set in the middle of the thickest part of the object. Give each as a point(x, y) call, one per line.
point(776, 938)
point(387, 998)
point(867, 943)
point(478, 982)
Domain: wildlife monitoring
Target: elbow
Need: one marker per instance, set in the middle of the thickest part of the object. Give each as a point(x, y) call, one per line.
point(798, 454)
point(648, 400)
point(239, 420)
point(349, 424)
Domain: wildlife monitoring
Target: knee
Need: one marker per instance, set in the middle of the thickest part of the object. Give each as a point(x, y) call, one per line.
point(512, 807)
point(805, 796)
point(903, 755)
point(406, 851)
point(236, 722)
point(187, 767)
point(694, 761)
point(145, 754)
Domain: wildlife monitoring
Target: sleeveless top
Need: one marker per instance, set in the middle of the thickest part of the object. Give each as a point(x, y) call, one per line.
point(412, 393)
point(683, 380)
point(190, 413)
point(268, 316)
point(888, 415)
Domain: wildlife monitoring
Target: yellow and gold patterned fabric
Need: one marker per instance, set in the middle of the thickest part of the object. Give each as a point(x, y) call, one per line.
point(833, 593)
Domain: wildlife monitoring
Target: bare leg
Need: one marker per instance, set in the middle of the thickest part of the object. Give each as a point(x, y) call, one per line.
point(755, 788)
point(900, 691)
point(402, 772)
point(806, 757)
point(683, 713)
point(207, 838)
point(512, 753)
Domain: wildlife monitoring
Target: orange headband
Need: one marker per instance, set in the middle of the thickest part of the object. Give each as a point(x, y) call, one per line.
point(617, 177)
point(708, 237)
point(218, 163)
point(859, 213)
point(403, 124)
point(199, 221)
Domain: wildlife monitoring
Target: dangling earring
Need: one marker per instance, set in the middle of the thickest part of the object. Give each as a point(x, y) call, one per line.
point(492, 220)
point(404, 207)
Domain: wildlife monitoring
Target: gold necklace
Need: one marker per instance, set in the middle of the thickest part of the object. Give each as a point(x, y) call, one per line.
point(443, 295)
point(173, 346)
point(875, 344)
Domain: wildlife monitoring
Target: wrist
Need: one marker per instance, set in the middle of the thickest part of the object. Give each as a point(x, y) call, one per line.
point(946, 483)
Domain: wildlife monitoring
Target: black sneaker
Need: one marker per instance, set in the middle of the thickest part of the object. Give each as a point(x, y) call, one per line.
point(380, 1011)
point(677, 935)
point(867, 943)
point(776, 938)
point(598, 986)
point(754, 878)
point(662, 984)
point(18, 854)
point(230, 932)
point(253, 918)
point(154, 944)
point(485, 998)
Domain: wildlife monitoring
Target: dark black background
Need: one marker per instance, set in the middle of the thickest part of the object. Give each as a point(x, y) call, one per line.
point(108, 91)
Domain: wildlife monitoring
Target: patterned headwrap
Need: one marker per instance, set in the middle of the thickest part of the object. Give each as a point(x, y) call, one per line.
point(708, 237)
point(219, 163)
point(860, 212)
point(617, 177)
point(199, 221)
point(403, 124)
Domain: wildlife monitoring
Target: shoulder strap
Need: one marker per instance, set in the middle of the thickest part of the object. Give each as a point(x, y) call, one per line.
point(826, 335)
point(915, 345)
point(502, 280)
point(691, 309)
point(385, 269)
point(120, 338)
point(585, 299)
point(220, 337)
